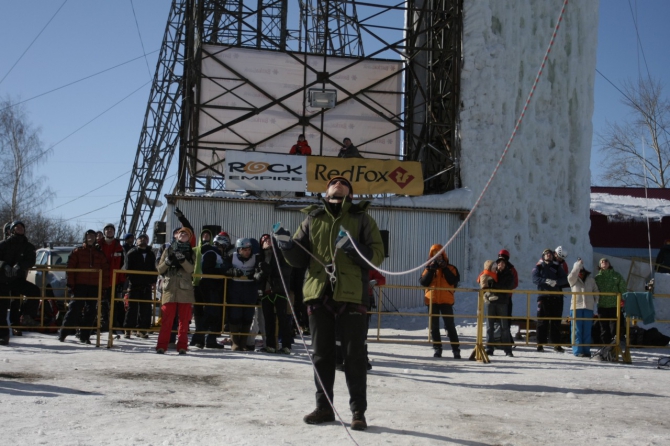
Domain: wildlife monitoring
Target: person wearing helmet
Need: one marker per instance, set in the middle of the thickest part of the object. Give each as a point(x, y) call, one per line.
point(84, 284)
point(176, 268)
point(560, 254)
point(336, 296)
point(242, 290)
point(17, 256)
point(211, 292)
point(138, 315)
point(549, 276)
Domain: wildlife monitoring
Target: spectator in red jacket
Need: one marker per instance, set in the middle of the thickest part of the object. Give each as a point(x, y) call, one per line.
point(301, 147)
point(115, 255)
point(84, 284)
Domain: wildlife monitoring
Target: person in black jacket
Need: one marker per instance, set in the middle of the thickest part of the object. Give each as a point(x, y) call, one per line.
point(17, 256)
point(211, 290)
point(549, 276)
point(497, 309)
point(138, 315)
point(274, 300)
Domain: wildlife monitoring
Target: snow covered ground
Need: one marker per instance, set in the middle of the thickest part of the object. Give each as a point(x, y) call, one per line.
point(72, 394)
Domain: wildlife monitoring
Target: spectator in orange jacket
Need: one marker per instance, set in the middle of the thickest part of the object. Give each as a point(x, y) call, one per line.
point(301, 147)
point(84, 284)
point(441, 274)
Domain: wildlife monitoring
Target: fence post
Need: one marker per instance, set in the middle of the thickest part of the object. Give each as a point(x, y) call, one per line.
point(479, 353)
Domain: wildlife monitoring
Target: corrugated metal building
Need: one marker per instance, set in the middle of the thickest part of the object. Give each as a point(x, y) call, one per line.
point(411, 231)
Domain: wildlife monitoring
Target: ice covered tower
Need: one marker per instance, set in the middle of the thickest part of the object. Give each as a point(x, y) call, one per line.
point(540, 196)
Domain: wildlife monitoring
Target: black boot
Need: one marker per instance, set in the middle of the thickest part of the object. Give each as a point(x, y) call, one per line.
point(319, 416)
point(358, 422)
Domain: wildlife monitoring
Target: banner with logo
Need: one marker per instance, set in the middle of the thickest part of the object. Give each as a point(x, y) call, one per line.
point(367, 175)
point(265, 171)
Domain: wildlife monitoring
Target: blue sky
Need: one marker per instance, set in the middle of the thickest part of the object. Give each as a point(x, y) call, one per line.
point(94, 125)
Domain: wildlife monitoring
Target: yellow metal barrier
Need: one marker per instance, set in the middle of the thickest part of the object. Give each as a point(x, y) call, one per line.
point(224, 305)
point(66, 299)
point(480, 344)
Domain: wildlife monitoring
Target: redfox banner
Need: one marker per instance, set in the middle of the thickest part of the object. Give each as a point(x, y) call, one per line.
point(367, 175)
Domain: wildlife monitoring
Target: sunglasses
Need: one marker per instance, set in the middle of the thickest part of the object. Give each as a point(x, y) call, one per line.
point(344, 182)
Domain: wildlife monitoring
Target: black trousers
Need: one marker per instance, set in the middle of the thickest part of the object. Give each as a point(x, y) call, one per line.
point(549, 306)
point(138, 314)
point(198, 317)
point(81, 313)
point(274, 309)
point(447, 312)
point(607, 328)
point(213, 315)
point(18, 306)
point(352, 327)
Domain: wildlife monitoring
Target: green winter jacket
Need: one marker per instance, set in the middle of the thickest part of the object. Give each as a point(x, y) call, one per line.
point(609, 281)
point(197, 254)
point(317, 233)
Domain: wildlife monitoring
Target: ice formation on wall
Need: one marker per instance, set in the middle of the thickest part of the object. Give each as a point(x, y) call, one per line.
point(540, 197)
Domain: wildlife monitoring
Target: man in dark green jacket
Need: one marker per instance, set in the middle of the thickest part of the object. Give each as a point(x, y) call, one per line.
point(336, 291)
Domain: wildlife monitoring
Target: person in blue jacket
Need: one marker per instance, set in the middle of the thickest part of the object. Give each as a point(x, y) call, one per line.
point(549, 276)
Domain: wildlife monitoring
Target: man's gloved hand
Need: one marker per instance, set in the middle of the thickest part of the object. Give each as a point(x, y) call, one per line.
point(9, 272)
point(16, 271)
point(283, 237)
point(178, 212)
point(262, 270)
point(550, 282)
point(433, 266)
point(180, 257)
point(235, 272)
point(343, 241)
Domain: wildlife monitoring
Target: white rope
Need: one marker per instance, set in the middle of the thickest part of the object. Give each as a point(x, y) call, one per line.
point(646, 201)
point(495, 171)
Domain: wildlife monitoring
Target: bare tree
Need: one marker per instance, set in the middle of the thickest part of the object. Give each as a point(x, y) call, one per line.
point(21, 150)
point(639, 147)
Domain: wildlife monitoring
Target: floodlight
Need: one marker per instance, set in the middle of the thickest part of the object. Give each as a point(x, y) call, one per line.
point(319, 98)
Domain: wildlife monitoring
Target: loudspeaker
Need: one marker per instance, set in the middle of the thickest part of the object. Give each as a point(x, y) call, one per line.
point(159, 232)
point(385, 239)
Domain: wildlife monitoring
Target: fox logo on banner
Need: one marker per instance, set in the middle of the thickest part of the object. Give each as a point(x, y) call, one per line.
point(265, 171)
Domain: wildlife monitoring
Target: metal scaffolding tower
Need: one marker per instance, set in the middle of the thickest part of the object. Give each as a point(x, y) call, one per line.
point(425, 35)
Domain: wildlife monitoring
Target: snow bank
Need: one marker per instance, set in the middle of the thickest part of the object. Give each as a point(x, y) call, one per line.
point(623, 208)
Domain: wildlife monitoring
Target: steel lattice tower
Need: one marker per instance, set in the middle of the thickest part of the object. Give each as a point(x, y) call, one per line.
point(429, 44)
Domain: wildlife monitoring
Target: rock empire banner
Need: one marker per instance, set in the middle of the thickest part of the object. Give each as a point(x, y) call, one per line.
point(265, 171)
point(367, 175)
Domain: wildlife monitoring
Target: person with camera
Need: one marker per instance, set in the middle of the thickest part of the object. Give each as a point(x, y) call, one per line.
point(441, 274)
point(176, 268)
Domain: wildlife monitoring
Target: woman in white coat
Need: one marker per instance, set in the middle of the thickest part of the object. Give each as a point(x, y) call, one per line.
point(583, 308)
